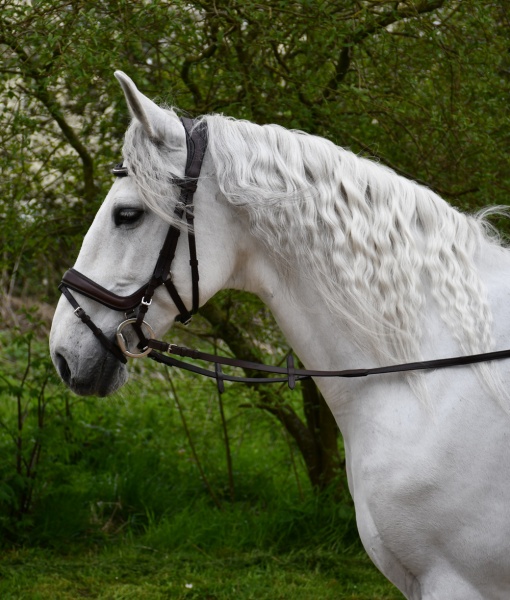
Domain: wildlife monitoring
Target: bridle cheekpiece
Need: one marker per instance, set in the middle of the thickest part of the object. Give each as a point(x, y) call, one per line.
point(136, 305)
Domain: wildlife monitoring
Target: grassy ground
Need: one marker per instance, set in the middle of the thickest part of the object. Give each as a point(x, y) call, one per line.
point(141, 574)
point(106, 499)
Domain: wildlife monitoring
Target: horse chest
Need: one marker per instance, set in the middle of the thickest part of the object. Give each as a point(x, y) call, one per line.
point(433, 486)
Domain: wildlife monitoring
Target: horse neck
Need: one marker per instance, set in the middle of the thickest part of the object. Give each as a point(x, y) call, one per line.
point(320, 340)
point(323, 340)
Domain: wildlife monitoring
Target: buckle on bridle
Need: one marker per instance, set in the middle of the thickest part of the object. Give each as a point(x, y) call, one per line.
point(79, 312)
point(123, 343)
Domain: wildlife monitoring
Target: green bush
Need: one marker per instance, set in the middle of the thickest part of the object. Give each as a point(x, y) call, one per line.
point(90, 470)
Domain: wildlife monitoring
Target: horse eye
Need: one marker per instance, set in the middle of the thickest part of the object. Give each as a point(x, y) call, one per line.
point(127, 216)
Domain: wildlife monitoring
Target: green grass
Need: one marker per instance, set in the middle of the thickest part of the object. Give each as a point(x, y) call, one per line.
point(103, 498)
point(137, 573)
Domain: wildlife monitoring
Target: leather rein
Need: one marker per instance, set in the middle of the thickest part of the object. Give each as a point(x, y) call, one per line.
point(136, 305)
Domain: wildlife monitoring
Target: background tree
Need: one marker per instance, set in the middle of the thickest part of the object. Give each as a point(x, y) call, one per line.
point(421, 85)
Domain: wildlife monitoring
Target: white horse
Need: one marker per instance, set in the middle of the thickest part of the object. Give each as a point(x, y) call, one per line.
point(360, 267)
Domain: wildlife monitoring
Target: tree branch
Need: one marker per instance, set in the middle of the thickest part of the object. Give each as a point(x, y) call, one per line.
point(185, 72)
point(41, 93)
point(269, 399)
point(385, 20)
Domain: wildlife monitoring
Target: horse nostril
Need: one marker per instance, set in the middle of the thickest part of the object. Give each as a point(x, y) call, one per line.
point(63, 368)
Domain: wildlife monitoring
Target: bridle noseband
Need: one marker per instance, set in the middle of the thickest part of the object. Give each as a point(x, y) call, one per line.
point(136, 305)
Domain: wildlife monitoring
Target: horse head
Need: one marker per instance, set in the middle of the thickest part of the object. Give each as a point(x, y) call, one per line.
point(124, 243)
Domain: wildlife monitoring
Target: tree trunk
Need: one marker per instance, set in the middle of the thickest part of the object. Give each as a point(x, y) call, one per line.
point(317, 436)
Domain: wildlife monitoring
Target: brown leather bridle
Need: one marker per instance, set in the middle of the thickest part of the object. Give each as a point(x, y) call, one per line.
point(136, 305)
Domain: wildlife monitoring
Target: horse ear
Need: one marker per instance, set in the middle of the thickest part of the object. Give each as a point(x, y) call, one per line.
point(150, 115)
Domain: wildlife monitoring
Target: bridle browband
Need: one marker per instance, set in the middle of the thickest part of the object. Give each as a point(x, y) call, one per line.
point(136, 305)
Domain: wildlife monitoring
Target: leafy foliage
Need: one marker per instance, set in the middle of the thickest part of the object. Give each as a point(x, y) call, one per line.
point(76, 469)
point(420, 85)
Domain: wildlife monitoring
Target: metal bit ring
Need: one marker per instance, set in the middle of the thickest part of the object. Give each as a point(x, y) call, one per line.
point(123, 344)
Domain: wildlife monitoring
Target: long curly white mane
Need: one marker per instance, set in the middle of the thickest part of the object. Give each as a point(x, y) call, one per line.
point(375, 245)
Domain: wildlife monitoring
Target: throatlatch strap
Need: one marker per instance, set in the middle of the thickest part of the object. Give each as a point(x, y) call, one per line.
point(184, 315)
